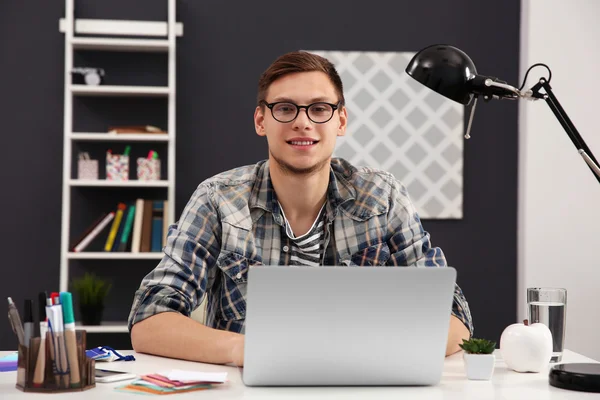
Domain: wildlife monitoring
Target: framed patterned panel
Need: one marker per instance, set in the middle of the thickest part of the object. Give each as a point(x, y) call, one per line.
point(403, 127)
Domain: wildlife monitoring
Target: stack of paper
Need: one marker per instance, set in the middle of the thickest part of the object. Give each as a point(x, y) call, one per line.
point(175, 381)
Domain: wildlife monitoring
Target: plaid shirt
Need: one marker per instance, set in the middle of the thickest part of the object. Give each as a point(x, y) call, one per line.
point(233, 221)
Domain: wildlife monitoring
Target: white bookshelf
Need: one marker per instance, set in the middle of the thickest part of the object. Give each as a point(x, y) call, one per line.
point(106, 327)
point(114, 256)
point(116, 90)
point(130, 183)
point(102, 35)
point(111, 44)
point(121, 137)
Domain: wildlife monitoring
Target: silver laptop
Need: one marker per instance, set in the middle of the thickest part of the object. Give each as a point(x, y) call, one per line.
point(344, 326)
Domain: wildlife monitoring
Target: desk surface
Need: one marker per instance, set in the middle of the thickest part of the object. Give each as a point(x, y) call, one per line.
point(505, 384)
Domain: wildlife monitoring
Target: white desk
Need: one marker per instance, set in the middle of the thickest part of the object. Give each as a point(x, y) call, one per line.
point(505, 384)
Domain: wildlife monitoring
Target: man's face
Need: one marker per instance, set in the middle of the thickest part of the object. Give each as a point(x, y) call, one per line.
point(301, 146)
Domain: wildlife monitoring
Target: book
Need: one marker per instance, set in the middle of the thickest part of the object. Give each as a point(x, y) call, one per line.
point(157, 226)
point(115, 245)
point(124, 240)
point(137, 226)
point(165, 222)
point(146, 238)
point(87, 231)
point(95, 232)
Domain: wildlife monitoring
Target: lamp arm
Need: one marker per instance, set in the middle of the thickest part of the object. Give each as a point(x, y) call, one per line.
point(566, 123)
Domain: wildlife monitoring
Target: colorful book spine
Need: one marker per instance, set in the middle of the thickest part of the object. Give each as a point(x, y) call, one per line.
point(95, 232)
point(165, 222)
point(157, 226)
point(115, 227)
point(137, 226)
point(115, 245)
point(146, 235)
point(89, 229)
point(127, 229)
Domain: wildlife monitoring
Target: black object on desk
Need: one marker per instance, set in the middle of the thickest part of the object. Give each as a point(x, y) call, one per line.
point(583, 377)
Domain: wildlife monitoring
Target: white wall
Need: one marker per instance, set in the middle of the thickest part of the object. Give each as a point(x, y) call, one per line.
point(559, 198)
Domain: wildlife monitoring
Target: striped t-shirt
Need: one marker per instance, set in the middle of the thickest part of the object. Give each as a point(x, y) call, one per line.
point(307, 249)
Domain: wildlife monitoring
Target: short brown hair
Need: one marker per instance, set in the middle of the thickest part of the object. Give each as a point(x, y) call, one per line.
point(298, 61)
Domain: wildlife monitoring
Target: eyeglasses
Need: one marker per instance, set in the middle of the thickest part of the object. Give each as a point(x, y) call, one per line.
point(285, 112)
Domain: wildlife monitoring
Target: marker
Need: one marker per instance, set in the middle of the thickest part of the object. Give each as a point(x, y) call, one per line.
point(55, 315)
point(50, 332)
point(28, 322)
point(150, 155)
point(127, 150)
point(55, 297)
point(66, 300)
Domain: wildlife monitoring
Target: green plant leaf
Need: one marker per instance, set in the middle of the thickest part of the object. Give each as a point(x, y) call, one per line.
point(478, 346)
point(91, 290)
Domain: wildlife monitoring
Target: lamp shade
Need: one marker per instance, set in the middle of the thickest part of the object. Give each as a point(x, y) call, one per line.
point(446, 70)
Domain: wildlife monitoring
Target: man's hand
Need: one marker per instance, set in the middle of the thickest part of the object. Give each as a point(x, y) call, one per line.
point(171, 334)
point(237, 351)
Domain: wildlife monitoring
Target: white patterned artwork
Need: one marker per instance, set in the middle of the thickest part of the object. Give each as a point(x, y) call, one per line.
point(398, 125)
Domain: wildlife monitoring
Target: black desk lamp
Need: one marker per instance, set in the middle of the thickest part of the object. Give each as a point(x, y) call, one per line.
point(450, 72)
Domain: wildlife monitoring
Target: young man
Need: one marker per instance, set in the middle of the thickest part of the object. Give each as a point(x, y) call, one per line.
point(301, 207)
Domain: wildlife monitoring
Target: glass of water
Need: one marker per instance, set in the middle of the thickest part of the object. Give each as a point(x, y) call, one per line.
point(549, 307)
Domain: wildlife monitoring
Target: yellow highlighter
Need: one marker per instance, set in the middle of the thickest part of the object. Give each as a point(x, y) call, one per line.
point(114, 229)
point(66, 300)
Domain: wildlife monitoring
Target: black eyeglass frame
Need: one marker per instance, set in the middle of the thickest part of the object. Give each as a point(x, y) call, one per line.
point(298, 108)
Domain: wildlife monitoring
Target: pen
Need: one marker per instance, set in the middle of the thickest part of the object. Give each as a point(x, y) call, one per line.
point(40, 365)
point(28, 322)
point(15, 321)
point(60, 348)
point(66, 299)
point(53, 350)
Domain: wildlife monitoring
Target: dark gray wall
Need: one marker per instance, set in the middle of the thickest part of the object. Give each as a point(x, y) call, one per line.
point(225, 47)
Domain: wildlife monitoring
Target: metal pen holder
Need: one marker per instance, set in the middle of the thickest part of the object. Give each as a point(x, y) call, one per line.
point(53, 381)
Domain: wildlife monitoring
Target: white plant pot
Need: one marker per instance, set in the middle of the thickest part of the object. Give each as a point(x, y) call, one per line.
point(479, 366)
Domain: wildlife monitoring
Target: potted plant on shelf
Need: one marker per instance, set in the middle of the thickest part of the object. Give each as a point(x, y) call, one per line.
point(91, 292)
point(479, 358)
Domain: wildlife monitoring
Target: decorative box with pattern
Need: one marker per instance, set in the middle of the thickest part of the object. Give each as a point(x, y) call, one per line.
point(87, 168)
point(117, 167)
point(148, 170)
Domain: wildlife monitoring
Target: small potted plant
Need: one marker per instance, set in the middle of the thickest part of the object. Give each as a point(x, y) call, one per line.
point(479, 358)
point(91, 292)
